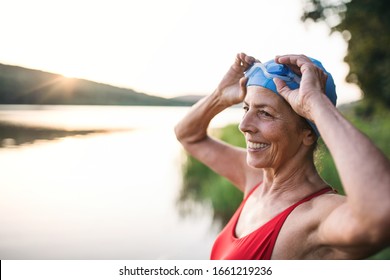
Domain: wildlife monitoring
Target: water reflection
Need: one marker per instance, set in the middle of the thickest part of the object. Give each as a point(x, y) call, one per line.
point(105, 196)
point(15, 135)
point(202, 187)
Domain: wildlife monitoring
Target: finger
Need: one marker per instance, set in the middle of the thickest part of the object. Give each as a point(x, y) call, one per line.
point(238, 64)
point(238, 59)
point(314, 73)
point(245, 60)
point(282, 88)
point(243, 82)
point(293, 60)
point(294, 68)
point(249, 59)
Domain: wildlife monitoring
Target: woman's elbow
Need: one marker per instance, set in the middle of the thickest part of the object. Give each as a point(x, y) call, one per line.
point(188, 136)
point(380, 234)
point(178, 132)
point(377, 231)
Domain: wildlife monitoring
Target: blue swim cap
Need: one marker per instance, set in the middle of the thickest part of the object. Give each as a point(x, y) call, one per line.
point(261, 74)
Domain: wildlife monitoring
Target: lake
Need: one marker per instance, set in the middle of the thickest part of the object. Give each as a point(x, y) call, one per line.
point(97, 182)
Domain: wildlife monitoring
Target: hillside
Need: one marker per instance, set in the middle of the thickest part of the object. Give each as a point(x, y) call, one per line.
point(189, 98)
point(27, 86)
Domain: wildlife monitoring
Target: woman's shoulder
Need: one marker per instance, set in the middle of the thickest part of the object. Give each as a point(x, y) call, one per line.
point(313, 212)
point(302, 225)
point(323, 204)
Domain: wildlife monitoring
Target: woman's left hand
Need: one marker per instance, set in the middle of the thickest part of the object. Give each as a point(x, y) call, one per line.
point(312, 86)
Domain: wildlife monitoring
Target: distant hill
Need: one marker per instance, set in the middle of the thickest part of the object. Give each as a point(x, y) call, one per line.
point(27, 86)
point(188, 98)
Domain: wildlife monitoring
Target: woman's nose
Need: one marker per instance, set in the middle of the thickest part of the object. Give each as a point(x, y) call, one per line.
point(247, 124)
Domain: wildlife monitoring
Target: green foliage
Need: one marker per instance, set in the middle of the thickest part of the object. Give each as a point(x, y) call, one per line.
point(382, 255)
point(232, 135)
point(375, 126)
point(326, 167)
point(365, 24)
point(202, 185)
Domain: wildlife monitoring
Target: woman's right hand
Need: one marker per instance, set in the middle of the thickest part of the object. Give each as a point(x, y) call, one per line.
point(232, 88)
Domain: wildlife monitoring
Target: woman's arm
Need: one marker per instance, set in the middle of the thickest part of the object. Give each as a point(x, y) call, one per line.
point(363, 220)
point(191, 131)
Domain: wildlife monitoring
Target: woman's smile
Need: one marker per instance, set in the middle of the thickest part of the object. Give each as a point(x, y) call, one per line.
point(256, 146)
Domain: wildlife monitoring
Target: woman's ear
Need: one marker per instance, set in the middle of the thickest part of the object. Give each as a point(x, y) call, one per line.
point(309, 137)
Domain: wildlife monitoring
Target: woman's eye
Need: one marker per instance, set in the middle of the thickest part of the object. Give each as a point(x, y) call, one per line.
point(246, 108)
point(265, 113)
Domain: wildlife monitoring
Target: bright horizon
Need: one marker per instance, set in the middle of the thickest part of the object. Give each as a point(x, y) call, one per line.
point(165, 48)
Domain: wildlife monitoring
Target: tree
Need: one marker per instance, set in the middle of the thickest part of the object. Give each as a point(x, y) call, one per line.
point(365, 25)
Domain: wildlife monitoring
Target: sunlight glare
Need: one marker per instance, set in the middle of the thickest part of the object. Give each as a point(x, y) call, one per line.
point(165, 48)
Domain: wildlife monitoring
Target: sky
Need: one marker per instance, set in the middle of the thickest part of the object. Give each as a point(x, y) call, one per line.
point(166, 48)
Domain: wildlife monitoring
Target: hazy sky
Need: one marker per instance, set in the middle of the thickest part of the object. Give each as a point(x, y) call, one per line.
point(167, 48)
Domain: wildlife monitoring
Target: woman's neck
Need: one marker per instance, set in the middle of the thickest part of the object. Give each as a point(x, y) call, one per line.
point(295, 178)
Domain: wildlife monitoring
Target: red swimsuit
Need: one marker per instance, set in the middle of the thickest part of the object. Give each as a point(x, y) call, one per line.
point(259, 244)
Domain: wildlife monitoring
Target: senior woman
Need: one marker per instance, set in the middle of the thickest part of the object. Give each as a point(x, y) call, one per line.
point(288, 210)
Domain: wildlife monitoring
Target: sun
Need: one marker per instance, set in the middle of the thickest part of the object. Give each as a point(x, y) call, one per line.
point(68, 75)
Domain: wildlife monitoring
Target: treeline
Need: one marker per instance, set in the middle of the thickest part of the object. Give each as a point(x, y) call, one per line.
point(365, 26)
point(26, 86)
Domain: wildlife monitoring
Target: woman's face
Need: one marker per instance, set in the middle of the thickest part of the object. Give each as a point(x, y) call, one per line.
point(273, 131)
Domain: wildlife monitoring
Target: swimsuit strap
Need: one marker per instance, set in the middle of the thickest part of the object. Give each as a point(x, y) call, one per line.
point(252, 190)
point(313, 195)
point(321, 191)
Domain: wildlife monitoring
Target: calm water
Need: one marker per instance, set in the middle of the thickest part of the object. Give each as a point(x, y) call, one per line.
point(111, 194)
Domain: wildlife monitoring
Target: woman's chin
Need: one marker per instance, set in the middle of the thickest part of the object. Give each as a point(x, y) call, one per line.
point(256, 163)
